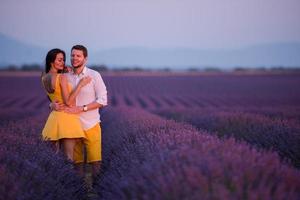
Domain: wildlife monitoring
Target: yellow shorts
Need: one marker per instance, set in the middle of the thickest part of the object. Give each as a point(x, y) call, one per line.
point(92, 144)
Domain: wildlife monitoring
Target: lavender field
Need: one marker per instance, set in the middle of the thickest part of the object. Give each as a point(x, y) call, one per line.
point(165, 136)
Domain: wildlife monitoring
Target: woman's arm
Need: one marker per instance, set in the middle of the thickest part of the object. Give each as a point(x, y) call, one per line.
point(69, 98)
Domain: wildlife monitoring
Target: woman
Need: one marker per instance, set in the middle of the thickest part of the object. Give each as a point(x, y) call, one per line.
point(61, 126)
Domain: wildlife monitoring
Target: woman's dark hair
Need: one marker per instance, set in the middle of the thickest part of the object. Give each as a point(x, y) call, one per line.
point(51, 56)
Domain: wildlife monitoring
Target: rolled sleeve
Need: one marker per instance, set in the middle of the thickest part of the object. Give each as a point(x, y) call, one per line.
point(100, 90)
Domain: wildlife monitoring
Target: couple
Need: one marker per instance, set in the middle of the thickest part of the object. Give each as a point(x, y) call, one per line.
point(75, 97)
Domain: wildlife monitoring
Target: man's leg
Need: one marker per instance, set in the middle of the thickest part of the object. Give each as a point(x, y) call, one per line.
point(93, 148)
point(79, 167)
point(96, 167)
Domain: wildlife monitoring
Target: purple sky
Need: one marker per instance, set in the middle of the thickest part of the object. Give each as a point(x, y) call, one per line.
point(101, 24)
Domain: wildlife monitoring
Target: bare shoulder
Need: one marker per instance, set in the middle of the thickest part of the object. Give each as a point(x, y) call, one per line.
point(63, 78)
point(66, 75)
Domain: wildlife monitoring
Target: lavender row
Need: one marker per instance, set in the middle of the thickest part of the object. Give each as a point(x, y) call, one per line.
point(30, 169)
point(285, 113)
point(147, 157)
point(258, 130)
point(220, 90)
point(172, 91)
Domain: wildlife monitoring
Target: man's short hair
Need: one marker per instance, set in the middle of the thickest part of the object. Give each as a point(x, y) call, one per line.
point(81, 48)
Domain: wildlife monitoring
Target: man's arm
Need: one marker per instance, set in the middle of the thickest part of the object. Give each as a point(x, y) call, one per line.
point(100, 90)
point(93, 105)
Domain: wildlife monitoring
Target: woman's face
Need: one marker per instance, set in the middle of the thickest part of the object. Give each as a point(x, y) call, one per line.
point(59, 62)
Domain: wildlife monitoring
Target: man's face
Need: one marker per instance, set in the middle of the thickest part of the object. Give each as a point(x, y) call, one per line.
point(77, 58)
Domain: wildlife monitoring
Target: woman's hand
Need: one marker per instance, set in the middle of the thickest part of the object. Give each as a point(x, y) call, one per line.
point(73, 109)
point(57, 106)
point(84, 81)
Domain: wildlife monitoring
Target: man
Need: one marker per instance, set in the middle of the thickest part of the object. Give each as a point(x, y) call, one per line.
point(90, 98)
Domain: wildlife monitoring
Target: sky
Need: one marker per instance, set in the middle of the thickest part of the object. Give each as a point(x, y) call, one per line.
point(105, 24)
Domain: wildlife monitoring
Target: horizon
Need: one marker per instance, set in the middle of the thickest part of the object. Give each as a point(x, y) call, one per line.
point(268, 55)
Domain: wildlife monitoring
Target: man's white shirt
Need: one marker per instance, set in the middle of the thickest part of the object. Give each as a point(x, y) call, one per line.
point(94, 91)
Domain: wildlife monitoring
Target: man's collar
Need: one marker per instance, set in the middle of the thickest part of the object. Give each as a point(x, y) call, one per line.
point(82, 72)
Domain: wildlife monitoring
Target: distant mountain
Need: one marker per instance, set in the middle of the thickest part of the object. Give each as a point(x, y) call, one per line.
point(266, 55)
point(13, 52)
point(285, 54)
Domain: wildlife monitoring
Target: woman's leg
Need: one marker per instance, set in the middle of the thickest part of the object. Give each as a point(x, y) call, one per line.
point(55, 146)
point(68, 145)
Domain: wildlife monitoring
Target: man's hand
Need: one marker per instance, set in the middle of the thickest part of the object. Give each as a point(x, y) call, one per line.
point(57, 106)
point(74, 109)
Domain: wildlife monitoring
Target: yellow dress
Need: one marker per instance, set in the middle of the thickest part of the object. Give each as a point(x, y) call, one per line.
point(61, 125)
